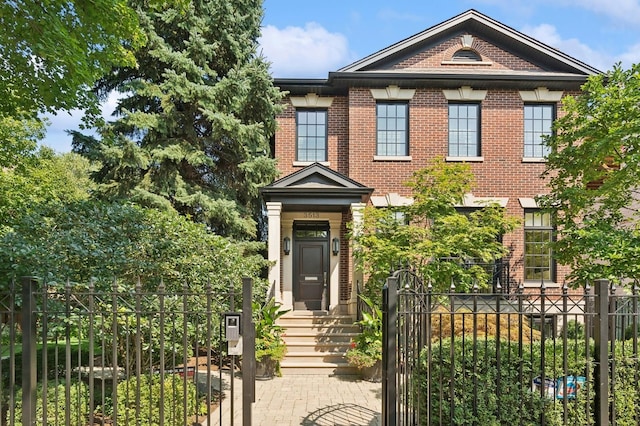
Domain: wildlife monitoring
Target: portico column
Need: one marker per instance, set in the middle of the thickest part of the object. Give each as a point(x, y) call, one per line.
point(274, 211)
point(357, 217)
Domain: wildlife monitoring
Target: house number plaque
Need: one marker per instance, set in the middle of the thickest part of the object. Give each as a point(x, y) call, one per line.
point(312, 215)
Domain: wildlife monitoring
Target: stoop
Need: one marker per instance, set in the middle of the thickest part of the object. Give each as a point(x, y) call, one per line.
point(317, 342)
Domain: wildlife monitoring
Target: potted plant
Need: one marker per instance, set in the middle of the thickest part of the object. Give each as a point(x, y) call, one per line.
point(270, 347)
point(366, 349)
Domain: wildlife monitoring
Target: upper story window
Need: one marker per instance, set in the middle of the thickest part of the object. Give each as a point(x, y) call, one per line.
point(538, 257)
point(464, 130)
point(392, 125)
point(538, 121)
point(311, 126)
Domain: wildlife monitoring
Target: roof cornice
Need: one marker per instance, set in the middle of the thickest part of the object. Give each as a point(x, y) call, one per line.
point(459, 21)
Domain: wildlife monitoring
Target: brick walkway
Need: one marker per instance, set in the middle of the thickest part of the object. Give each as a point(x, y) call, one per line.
point(307, 401)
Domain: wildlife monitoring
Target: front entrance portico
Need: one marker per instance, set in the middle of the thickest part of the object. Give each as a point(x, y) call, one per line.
point(308, 212)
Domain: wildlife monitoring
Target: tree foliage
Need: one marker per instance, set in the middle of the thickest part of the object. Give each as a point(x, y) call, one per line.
point(430, 234)
point(195, 122)
point(53, 51)
point(39, 178)
point(594, 170)
point(19, 140)
point(87, 240)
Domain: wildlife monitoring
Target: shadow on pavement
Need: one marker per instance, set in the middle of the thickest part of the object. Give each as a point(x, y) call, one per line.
point(342, 415)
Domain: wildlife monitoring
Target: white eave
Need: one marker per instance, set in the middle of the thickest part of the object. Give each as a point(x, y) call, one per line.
point(470, 15)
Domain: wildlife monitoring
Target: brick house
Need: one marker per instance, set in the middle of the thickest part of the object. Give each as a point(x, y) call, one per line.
point(468, 89)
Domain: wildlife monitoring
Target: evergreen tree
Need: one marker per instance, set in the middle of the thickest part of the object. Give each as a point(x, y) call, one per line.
point(194, 126)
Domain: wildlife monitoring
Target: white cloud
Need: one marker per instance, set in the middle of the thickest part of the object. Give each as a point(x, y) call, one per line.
point(548, 34)
point(619, 10)
point(631, 56)
point(311, 51)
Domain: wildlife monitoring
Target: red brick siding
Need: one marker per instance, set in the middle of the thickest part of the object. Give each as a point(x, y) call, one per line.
point(337, 138)
point(434, 56)
point(352, 146)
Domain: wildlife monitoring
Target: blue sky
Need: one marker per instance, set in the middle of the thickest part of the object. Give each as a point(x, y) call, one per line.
point(309, 39)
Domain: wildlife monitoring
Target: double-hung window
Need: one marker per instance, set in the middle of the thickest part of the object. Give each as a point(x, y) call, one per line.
point(464, 130)
point(392, 125)
point(538, 121)
point(311, 127)
point(538, 257)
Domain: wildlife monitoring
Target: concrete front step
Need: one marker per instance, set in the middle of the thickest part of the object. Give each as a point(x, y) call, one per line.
point(316, 357)
point(320, 328)
point(318, 347)
point(317, 343)
point(291, 338)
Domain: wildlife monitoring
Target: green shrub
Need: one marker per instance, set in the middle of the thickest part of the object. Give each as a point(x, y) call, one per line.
point(366, 348)
point(501, 391)
point(575, 330)
point(139, 401)
point(58, 405)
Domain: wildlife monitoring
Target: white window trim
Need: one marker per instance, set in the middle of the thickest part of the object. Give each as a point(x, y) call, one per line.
point(534, 160)
point(485, 63)
point(541, 94)
point(392, 158)
point(311, 100)
point(465, 159)
point(393, 93)
point(464, 93)
point(392, 199)
point(308, 163)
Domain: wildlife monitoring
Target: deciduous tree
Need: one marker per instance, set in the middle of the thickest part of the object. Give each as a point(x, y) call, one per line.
point(430, 235)
point(594, 170)
point(53, 51)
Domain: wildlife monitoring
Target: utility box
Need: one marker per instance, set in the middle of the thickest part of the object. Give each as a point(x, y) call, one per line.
point(233, 332)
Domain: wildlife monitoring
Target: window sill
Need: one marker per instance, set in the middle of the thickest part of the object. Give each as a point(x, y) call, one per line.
point(537, 283)
point(485, 63)
point(392, 158)
point(534, 160)
point(308, 163)
point(465, 159)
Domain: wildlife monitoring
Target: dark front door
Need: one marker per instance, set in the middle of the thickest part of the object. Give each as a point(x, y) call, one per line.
point(311, 262)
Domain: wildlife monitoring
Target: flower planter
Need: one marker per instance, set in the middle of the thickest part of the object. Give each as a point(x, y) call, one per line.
point(373, 373)
point(266, 368)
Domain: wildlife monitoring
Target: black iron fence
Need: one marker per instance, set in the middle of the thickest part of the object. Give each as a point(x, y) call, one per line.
point(82, 355)
point(535, 357)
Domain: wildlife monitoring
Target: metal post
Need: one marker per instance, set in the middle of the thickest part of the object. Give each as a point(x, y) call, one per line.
point(29, 365)
point(601, 352)
point(248, 353)
point(389, 341)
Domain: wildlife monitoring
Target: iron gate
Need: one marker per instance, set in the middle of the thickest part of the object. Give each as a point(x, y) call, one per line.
point(533, 357)
point(81, 355)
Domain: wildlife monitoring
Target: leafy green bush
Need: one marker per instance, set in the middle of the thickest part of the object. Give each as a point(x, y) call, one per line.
point(366, 348)
point(575, 330)
point(139, 401)
point(499, 390)
point(58, 405)
point(269, 342)
point(492, 383)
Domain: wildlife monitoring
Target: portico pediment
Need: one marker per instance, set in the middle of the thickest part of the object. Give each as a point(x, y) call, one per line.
point(316, 185)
